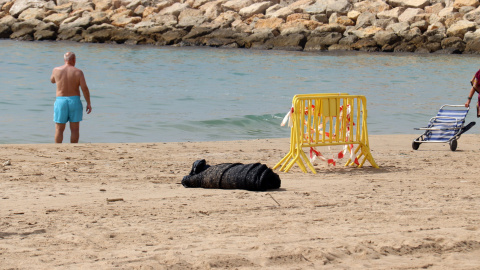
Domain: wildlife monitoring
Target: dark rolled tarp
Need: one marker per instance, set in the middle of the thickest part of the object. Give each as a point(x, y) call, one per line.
point(255, 176)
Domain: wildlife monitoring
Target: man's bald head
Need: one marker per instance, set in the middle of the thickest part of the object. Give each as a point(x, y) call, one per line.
point(69, 57)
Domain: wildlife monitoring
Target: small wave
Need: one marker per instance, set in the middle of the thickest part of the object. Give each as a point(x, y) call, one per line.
point(232, 128)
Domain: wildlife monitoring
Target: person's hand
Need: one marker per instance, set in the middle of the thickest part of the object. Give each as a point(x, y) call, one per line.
point(89, 108)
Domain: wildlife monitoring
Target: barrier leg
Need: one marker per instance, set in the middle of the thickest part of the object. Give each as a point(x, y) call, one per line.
point(309, 164)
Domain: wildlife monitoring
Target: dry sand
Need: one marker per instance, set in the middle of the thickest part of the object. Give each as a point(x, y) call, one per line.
point(420, 210)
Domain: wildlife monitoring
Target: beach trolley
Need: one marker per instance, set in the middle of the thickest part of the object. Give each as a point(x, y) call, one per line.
point(445, 127)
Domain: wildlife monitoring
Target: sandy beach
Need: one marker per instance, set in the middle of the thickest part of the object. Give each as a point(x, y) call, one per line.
point(121, 206)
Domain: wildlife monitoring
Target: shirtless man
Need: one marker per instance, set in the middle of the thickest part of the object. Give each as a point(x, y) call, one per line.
point(68, 107)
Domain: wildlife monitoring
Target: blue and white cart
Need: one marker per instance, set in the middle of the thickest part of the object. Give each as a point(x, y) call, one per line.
point(446, 127)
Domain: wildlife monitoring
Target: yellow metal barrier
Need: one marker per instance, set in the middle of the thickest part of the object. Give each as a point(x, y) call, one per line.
point(326, 120)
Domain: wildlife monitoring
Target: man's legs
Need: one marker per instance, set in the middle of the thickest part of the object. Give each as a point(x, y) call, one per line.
point(59, 128)
point(75, 130)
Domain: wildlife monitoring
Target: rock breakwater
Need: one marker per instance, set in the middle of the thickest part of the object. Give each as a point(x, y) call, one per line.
point(424, 26)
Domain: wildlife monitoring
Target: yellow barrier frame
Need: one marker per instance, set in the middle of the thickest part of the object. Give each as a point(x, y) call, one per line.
point(323, 120)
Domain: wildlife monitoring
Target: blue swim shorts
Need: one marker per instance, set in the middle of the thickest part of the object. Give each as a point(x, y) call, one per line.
point(67, 109)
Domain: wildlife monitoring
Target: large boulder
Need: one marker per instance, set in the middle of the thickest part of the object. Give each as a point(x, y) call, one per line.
point(334, 27)
point(258, 39)
point(435, 8)
point(102, 5)
point(363, 33)
point(190, 17)
point(453, 45)
point(391, 14)
point(460, 28)
point(153, 32)
point(270, 23)
point(5, 5)
point(56, 18)
point(166, 20)
point(45, 31)
point(83, 22)
point(134, 4)
point(405, 47)
point(365, 19)
point(435, 35)
point(409, 14)
point(411, 34)
point(46, 26)
point(65, 8)
point(422, 25)
point(99, 17)
point(338, 6)
point(348, 40)
point(409, 3)
point(198, 3)
point(372, 6)
point(126, 35)
point(294, 42)
point(197, 32)
point(24, 28)
point(212, 10)
point(257, 8)
point(174, 9)
point(384, 23)
point(365, 44)
point(224, 20)
point(318, 7)
point(173, 36)
point(123, 19)
point(301, 20)
point(386, 38)
point(8, 20)
point(472, 15)
point(6, 26)
point(32, 13)
point(98, 33)
point(282, 13)
point(473, 46)
point(344, 20)
point(322, 42)
point(446, 12)
point(340, 47)
point(293, 28)
point(299, 6)
point(77, 4)
point(353, 15)
point(73, 34)
point(20, 5)
point(461, 3)
point(398, 27)
point(237, 5)
point(470, 36)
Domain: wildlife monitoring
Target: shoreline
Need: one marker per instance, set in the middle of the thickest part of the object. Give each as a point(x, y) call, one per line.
point(122, 205)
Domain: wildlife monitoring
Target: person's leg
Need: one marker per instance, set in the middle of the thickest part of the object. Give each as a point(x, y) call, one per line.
point(59, 128)
point(75, 130)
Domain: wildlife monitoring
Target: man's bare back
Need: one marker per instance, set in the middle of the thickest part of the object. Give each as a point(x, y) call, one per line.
point(68, 107)
point(68, 79)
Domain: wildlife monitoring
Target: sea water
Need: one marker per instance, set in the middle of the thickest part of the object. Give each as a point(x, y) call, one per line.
point(177, 94)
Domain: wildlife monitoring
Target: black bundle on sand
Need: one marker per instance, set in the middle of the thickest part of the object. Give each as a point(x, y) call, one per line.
point(255, 177)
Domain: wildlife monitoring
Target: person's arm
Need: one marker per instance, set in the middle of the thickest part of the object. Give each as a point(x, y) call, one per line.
point(475, 86)
point(86, 92)
point(470, 96)
point(52, 78)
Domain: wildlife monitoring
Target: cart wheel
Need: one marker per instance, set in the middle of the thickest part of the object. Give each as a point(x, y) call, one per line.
point(453, 145)
point(415, 145)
